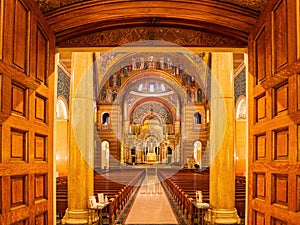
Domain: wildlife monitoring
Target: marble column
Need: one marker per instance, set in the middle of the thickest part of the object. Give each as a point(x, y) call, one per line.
point(222, 168)
point(81, 156)
point(122, 153)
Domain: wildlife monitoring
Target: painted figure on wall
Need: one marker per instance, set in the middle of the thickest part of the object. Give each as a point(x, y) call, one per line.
point(114, 95)
point(118, 81)
point(188, 95)
point(103, 94)
point(111, 81)
point(193, 82)
point(109, 95)
point(193, 95)
point(199, 95)
point(188, 80)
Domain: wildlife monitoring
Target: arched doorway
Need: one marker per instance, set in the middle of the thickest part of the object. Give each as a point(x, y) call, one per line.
point(105, 155)
point(198, 152)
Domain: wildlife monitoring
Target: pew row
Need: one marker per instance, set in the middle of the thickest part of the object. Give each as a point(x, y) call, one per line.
point(117, 185)
point(182, 186)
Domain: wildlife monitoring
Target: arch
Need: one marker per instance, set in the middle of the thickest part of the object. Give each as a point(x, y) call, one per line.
point(61, 108)
point(105, 119)
point(90, 16)
point(148, 101)
point(170, 154)
point(133, 150)
point(198, 151)
point(197, 118)
point(241, 108)
point(178, 55)
point(151, 117)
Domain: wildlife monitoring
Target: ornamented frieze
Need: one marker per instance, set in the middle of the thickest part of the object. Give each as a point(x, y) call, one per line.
point(49, 5)
point(257, 5)
point(182, 37)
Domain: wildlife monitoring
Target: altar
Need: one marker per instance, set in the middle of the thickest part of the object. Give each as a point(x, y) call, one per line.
point(151, 158)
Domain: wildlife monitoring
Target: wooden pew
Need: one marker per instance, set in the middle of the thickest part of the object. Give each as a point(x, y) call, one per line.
point(117, 185)
point(182, 186)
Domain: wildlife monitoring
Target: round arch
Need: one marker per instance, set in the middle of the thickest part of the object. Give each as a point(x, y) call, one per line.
point(241, 108)
point(61, 108)
point(90, 16)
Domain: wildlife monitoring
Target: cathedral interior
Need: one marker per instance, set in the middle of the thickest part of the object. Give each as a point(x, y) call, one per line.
point(150, 112)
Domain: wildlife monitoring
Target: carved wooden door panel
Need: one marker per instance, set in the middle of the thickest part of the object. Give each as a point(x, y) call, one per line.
point(274, 121)
point(26, 114)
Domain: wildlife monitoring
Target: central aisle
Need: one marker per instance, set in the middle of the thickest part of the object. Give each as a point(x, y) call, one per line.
point(151, 205)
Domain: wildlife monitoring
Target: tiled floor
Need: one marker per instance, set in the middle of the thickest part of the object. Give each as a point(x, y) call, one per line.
point(151, 205)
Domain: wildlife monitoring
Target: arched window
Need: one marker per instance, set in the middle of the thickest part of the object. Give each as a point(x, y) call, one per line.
point(241, 109)
point(133, 151)
point(197, 118)
point(169, 150)
point(61, 109)
point(105, 118)
point(197, 151)
point(170, 155)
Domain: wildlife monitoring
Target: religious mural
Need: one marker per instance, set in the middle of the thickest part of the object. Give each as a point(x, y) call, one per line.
point(109, 92)
point(151, 108)
point(153, 91)
point(240, 85)
point(63, 84)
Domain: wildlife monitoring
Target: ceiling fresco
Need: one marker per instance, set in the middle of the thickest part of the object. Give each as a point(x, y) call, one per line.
point(49, 5)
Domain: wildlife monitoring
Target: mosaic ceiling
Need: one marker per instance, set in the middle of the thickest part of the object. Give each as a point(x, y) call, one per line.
point(49, 5)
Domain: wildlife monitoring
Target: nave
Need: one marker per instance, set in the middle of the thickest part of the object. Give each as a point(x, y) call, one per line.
point(150, 196)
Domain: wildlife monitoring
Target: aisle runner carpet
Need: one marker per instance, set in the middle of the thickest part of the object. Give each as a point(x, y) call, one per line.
point(151, 205)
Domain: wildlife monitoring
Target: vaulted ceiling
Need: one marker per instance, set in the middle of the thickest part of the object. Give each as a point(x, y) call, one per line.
point(115, 22)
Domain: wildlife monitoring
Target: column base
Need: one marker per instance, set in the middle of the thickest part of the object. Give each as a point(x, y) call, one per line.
point(222, 216)
point(89, 216)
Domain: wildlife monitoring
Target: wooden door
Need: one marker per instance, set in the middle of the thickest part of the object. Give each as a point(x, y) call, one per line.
point(26, 114)
point(274, 116)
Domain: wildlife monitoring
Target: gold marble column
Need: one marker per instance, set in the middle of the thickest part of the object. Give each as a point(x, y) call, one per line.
point(122, 154)
point(222, 169)
point(81, 156)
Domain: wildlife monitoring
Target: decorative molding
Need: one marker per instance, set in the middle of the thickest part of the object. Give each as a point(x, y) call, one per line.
point(182, 37)
point(64, 68)
point(47, 6)
point(257, 5)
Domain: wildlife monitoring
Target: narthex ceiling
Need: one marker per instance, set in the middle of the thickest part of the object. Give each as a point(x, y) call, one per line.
point(76, 22)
